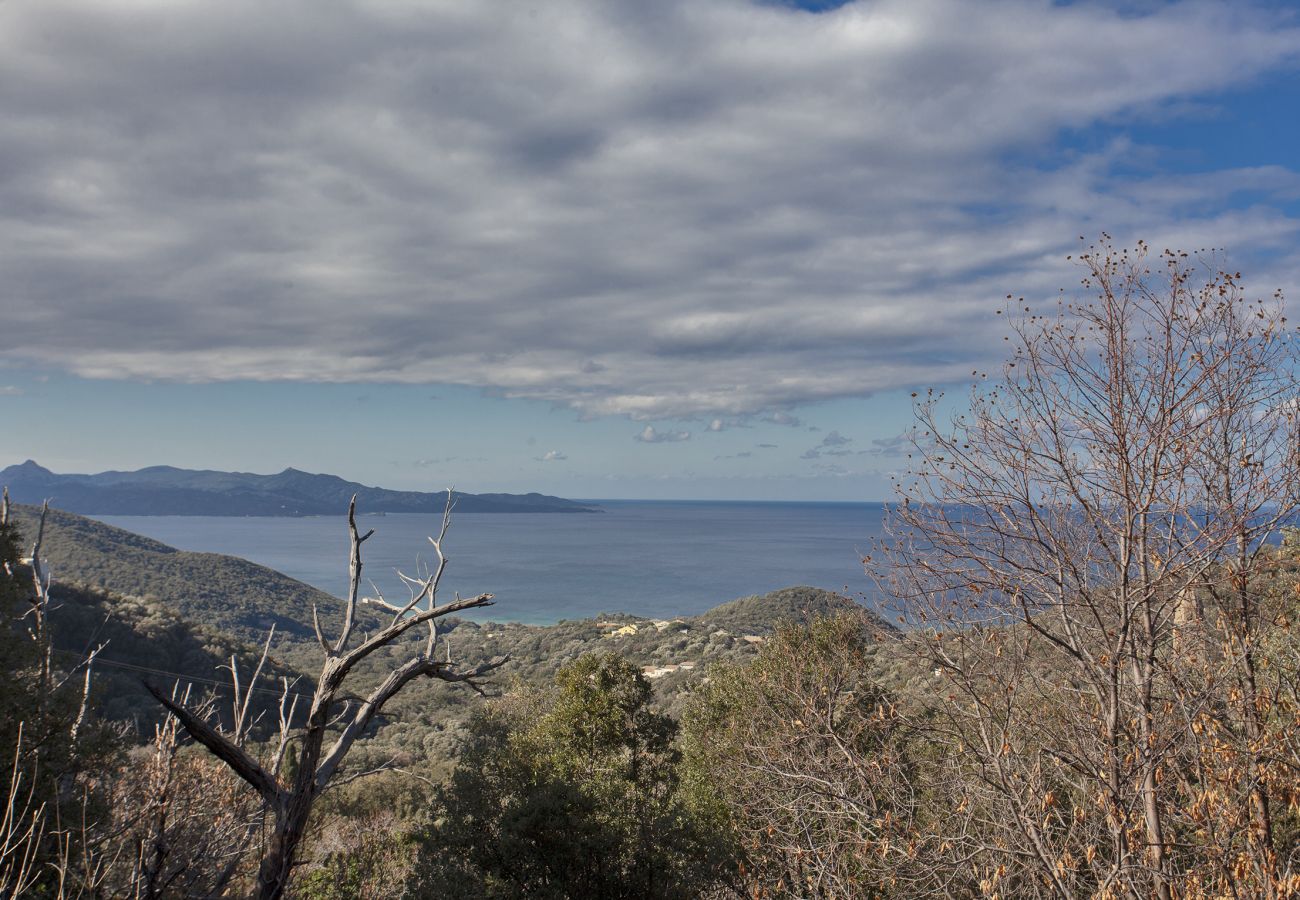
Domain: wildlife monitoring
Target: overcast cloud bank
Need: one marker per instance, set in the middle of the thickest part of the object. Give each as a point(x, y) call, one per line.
point(679, 209)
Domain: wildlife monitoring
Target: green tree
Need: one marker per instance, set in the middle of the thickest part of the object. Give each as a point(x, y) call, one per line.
point(572, 792)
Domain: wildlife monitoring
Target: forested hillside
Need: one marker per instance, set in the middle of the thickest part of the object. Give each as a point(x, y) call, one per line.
point(224, 592)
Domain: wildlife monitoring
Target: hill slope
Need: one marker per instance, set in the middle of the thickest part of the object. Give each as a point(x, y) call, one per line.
point(144, 640)
point(793, 604)
point(224, 592)
point(168, 491)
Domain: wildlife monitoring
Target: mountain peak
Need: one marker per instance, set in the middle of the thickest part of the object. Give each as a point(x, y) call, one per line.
point(28, 467)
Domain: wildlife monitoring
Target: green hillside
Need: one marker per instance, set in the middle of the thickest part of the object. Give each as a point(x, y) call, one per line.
point(144, 640)
point(793, 604)
point(224, 592)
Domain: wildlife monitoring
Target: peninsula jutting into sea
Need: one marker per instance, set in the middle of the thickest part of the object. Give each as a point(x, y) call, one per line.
point(169, 491)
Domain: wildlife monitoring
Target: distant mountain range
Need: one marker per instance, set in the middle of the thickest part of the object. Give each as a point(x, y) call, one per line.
point(168, 491)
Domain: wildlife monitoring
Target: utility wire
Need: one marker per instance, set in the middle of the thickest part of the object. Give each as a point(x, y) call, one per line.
point(99, 660)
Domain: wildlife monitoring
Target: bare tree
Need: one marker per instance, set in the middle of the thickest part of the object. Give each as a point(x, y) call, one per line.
point(334, 721)
point(39, 601)
point(1053, 541)
point(48, 683)
point(813, 768)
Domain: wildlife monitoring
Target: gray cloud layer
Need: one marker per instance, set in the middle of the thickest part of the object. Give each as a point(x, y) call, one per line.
point(677, 208)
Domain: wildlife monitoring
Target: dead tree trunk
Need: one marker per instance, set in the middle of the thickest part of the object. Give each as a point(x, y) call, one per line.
point(333, 724)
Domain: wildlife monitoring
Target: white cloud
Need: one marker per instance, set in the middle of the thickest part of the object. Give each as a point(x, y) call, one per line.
point(9, 390)
point(781, 417)
point(901, 444)
point(671, 210)
point(832, 444)
point(649, 435)
point(444, 460)
point(552, 456)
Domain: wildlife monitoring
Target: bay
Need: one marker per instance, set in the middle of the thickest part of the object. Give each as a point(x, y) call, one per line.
point(656, 559)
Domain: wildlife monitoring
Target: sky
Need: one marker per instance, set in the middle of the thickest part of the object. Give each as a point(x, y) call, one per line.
point(684, 249)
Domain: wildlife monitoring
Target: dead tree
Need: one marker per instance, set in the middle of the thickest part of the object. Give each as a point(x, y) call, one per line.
point(38, 610)
point(39, 603)
point(334, 721)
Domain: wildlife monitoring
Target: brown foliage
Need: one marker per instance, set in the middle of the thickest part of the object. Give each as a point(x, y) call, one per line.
point(1063, 545)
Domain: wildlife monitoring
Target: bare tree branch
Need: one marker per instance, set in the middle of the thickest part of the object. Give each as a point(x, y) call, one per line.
point(1134, 459)
point(332, 712)
point(225, 750)
point(354, 576)
point(89, 665)
point(383, 692)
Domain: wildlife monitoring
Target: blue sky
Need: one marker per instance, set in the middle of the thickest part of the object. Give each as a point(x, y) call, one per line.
point(615, 249)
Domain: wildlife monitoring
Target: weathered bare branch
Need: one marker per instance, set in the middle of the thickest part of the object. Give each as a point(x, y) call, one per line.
point(320, 635)
point(285, 732)
point(242, 699)
point(89, 665)
point(383, 692)
point(389, 765)
point(225, 750)
point(40, 575)
point(394, 631)
point(331, 709)
point(354, 576)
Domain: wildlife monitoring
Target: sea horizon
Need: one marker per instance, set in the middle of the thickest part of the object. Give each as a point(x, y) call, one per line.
point(650, 558)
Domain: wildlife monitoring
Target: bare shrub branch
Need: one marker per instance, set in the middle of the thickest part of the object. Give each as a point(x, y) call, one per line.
point(1053, 546)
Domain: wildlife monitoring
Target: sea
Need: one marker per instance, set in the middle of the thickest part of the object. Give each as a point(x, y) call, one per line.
point(656, 559)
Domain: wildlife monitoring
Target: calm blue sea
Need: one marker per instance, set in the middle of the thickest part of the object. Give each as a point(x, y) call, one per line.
point(649, 558)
